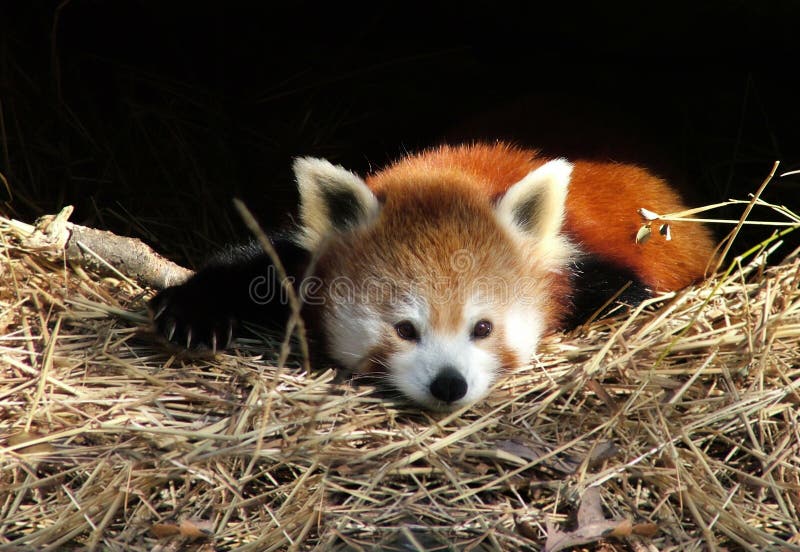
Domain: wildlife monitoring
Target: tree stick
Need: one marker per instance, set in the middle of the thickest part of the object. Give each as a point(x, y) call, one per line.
point(54, 235)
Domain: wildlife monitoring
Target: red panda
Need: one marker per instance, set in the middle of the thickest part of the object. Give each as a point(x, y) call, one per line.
point(444, 269)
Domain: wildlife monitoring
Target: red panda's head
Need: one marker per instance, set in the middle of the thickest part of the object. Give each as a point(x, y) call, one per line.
point(428, 279)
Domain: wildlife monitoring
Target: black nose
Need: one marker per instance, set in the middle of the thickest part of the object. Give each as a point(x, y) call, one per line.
point(449, 385)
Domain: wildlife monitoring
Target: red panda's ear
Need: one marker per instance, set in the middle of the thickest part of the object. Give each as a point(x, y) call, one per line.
point(332, 199)
point(535, 206)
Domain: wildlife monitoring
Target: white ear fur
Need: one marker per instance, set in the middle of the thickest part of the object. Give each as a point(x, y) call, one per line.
point(332, 199)
point(535, 206)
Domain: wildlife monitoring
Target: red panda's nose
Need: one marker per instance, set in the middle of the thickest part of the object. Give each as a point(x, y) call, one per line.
point(449, 385)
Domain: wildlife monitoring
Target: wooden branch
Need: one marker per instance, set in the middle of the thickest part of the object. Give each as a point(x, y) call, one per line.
point(54, 235)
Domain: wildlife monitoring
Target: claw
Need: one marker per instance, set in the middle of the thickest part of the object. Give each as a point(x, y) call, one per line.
point(189, 338)
point(170, 330)
point(160, 311)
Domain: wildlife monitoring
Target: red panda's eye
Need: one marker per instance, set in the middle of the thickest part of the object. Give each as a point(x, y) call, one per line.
point(406, 330)
point(482, 329)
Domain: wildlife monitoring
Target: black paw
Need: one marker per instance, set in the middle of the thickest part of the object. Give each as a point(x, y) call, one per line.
point(187, 315)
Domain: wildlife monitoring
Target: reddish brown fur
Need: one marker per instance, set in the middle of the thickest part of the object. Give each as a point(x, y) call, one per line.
point(427, 217)
point(602, 206)
point(602, 215)
point(441, 201)
point(444, 226)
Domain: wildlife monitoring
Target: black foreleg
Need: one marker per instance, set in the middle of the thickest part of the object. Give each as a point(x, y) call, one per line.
point(238, 284)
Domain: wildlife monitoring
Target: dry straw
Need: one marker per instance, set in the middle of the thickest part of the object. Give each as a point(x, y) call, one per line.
point(682, 417)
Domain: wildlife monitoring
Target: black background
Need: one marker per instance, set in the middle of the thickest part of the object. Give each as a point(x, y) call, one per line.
point(149, 116)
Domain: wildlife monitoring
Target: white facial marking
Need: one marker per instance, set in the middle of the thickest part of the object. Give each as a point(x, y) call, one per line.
point(412, 371)
point(353, 330)
point(523, 329)
point(355, 326)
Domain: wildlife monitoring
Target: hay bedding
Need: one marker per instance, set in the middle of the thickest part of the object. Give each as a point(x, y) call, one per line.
point(676, 428)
